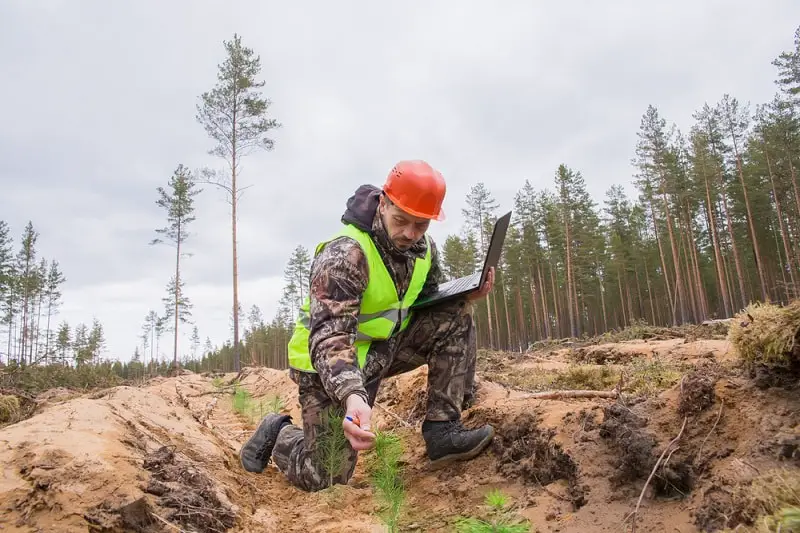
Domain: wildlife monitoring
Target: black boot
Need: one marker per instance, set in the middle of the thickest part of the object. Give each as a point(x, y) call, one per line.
point(256, 452)
point(450, 441)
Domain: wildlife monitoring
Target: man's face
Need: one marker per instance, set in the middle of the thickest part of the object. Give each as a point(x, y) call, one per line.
point(403, 229)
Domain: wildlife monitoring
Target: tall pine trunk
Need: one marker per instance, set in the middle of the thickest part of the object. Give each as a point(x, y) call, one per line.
point(234, 193)
point(735, 249)
point(784, 236)
point(545, 311)
point(675, 261)
point(663, 260)
point(756, 251)
point(712, 229)
point(177, 297)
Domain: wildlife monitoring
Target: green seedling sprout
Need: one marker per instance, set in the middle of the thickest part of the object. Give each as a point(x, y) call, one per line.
point(383, 467)
point(241, 401)
point(332, 443)
point(501, 519)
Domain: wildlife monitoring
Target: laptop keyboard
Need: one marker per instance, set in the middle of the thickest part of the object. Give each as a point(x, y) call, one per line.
point(461, 284)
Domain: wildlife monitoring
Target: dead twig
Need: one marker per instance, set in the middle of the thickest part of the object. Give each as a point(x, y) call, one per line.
point(397, 418)
point(635, 512)
point(226, 390)
point(722, 404)
point(559, 394)
point(167, 523)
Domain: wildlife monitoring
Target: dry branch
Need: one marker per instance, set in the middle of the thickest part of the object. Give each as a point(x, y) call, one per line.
point(397, 418)
point(635, 512)
point(559, 394)
point(719, 415)
point(228, 389)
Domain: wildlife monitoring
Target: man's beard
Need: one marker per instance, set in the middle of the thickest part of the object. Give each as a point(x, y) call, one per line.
point(402, 244)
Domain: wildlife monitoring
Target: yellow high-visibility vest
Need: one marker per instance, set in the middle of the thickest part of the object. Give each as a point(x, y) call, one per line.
point(381, 310)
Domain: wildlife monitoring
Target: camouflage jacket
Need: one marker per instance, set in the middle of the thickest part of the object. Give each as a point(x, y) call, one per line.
point(338, 278)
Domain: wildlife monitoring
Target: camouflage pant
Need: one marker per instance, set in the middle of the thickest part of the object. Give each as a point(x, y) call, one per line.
point(441, 336)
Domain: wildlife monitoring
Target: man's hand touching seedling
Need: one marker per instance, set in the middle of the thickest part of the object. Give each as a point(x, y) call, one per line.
point(356, 423)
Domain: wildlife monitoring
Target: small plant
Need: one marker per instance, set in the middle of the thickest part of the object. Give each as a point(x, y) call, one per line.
point(242, 401)
point(385, 474)
point(217, 382)
point(273, 404)
point(500, 520)
point(649, 377)
point(332, 443)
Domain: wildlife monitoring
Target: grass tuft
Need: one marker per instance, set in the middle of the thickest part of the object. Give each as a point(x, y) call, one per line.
point(9, 409)
point(499, 519)
point(771, 503)
point(254, 410)
point(767, 334)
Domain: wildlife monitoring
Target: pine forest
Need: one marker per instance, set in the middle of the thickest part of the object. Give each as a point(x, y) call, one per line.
point(714, 225)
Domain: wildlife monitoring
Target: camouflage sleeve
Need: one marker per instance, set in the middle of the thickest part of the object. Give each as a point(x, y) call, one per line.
point(339, 276)
point(435, 274)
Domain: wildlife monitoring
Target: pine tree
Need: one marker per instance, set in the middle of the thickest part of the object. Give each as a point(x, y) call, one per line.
point(296, 275)
point(788, 64)
point(174, 302)
point(26, 269)
point(234, 115)
point(63, 341)
point(7, 279)
point(195, 340)
point(53, 294)
point(479, 216)
point(652, 152)
point(80, 345)
point(95, 342)
point(459, 256)
point(178, 202)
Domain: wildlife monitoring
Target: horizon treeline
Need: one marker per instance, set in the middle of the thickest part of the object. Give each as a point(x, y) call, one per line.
point(713, 226)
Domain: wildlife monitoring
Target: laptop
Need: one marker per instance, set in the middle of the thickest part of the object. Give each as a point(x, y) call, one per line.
point(459, 287)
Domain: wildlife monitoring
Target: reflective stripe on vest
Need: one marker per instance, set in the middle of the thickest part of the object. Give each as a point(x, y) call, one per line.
point(381, 310)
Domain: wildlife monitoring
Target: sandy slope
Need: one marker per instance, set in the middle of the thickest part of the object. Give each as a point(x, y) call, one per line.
point(133, 459)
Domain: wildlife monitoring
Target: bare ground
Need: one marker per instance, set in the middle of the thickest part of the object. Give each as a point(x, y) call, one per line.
point(163, 457)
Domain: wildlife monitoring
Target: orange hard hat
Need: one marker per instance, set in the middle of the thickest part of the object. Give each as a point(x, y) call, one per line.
point(416, 188)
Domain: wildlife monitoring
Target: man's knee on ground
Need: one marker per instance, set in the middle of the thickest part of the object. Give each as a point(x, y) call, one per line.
point(313, 477)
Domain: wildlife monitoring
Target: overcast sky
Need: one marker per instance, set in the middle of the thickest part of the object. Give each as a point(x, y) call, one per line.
point(99, 108)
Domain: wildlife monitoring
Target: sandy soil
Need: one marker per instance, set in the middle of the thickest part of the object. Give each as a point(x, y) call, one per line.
point(163, 457)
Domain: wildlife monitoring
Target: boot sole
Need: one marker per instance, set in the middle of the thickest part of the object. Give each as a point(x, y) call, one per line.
point(253, 437)
point(441, 462)
point(241, 463)
point(246, 469)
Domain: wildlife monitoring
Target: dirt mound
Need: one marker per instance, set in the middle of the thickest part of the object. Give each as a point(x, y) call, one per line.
point(526, 451)
point(86, 454)
point(697, 391)
point(163, 457)
point(636, 458)
point(192, 498)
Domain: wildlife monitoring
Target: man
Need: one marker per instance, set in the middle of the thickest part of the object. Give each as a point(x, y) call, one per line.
point(356, 329)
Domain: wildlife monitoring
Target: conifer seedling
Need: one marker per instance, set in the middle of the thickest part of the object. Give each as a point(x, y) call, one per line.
point(386, 477)
point(332, 444)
